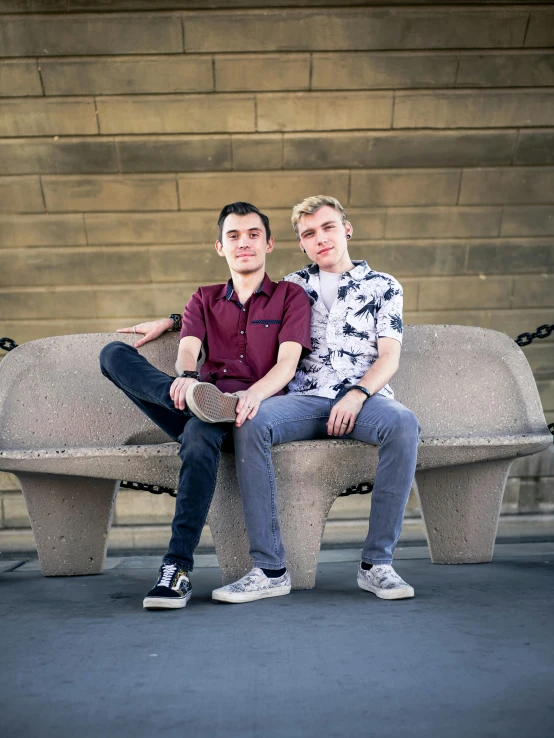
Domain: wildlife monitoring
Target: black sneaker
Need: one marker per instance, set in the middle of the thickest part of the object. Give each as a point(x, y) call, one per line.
point(172, 589)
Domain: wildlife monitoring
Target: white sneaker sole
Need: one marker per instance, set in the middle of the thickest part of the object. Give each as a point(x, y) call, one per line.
point(166, 603)
point(237, 597)
point(211, 405)
point(401, 593)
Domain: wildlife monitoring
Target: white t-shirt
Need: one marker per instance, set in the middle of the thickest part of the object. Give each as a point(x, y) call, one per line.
point(329, 286)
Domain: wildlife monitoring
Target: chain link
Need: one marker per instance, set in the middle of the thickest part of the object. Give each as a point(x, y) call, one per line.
point(7, 344)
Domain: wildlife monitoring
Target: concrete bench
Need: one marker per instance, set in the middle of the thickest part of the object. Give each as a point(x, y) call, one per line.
point(69, 436)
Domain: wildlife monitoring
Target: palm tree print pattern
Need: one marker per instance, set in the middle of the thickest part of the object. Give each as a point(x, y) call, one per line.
point(368, 306)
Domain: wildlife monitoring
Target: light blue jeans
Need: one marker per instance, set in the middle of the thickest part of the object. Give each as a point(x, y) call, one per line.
point(382, 422)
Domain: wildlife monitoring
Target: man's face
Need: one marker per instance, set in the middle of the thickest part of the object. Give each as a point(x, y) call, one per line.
point(323, 237)
point(244, 243)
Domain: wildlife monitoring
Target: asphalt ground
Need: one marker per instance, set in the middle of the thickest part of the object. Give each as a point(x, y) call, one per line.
point(471, 655)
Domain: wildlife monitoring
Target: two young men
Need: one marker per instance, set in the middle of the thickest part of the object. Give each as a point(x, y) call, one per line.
point(339, 389)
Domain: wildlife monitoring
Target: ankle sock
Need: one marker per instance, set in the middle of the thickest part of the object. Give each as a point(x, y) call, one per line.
point(274, 573)
point(365, 566)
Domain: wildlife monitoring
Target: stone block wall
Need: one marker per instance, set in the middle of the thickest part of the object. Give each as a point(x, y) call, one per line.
point(126, 124)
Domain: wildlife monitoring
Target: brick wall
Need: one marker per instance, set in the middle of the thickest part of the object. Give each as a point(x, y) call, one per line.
point(126, 125)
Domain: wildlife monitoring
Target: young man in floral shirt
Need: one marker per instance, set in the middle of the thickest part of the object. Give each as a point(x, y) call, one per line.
point(341, 389)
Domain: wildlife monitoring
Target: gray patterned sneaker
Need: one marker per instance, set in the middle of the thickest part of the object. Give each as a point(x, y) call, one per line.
point(253, 586)
point(384, 582)
point(209, 404)
point(171, 591)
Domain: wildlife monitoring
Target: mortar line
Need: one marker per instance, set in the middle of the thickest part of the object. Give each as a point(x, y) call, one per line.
point(97, 115)
point(42, 193)
point(526, 30)
point(460, 186)
point(183, 33)
point(39, 70)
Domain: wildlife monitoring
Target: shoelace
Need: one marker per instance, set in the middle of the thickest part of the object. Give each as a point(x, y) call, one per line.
point(168, 570)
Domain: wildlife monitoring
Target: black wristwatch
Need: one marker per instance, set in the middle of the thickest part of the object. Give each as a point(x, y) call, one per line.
point(188, 374)
point(366, 392)
point(177, 321)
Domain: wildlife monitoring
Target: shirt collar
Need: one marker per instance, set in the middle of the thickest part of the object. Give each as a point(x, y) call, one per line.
point(360, 269)
point(227, 291)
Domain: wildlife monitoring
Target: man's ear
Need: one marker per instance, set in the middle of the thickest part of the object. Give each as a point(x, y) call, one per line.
point(270, 245)
point(301, 247)
point(219, 247)
point(349, 230)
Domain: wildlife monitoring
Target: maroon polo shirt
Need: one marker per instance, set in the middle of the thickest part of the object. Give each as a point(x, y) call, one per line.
point(241, 342)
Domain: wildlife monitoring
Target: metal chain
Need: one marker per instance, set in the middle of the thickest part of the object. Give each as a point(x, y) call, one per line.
point(155, 489)
point(364, 488)
point(543, 331)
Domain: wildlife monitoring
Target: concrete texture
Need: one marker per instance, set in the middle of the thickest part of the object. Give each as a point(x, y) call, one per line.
point(471, 654)
point(82, 426)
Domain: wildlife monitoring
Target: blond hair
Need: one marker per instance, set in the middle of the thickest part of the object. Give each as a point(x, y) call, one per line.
point(311, 205)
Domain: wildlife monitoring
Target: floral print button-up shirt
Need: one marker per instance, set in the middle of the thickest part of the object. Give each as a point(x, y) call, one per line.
point(368, 306)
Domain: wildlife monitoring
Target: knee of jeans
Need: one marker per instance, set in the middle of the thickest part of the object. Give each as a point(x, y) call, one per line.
point(403, 423)
point(252, 430)
point(111, 354)
point(196, 441)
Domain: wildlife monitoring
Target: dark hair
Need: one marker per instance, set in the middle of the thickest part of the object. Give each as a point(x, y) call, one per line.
point(242, 208)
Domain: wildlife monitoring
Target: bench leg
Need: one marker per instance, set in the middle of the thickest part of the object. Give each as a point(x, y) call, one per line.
point(71, 518)
point(461, 506)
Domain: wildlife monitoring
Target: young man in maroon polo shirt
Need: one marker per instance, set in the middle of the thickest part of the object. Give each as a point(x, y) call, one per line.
point(254, 332)
point(340, 389)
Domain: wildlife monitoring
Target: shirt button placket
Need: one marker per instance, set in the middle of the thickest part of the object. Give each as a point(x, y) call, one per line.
point(243, 319)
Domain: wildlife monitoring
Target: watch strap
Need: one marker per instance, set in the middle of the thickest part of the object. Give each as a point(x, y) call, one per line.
point(189, 374)
point(177, 322)
point(366, 392)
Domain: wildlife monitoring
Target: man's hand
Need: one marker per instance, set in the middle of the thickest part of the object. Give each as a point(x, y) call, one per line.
point(178, 390)
point(247, 406)
point(150, 330)
point(344, 413)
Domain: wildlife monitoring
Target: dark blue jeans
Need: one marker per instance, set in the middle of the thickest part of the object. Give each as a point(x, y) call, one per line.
point(199, 443)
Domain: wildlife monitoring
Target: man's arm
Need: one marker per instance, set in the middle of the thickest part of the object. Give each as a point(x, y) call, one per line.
point(344, 413)
point(151, 330)
point(276, 378)
point(187, 358)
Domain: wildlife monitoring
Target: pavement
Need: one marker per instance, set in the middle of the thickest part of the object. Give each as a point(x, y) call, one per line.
point(471, 655)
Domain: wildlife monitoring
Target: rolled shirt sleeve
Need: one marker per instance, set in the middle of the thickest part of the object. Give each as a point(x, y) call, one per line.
point(194, 323)
point(296, 321)
point(388, 317)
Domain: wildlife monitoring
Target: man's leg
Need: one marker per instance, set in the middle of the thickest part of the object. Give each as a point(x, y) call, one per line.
point(279, 420)
point(391, 426)
point(395, 429)
point(146, 386)
point(200, 452)
point(200, 447)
